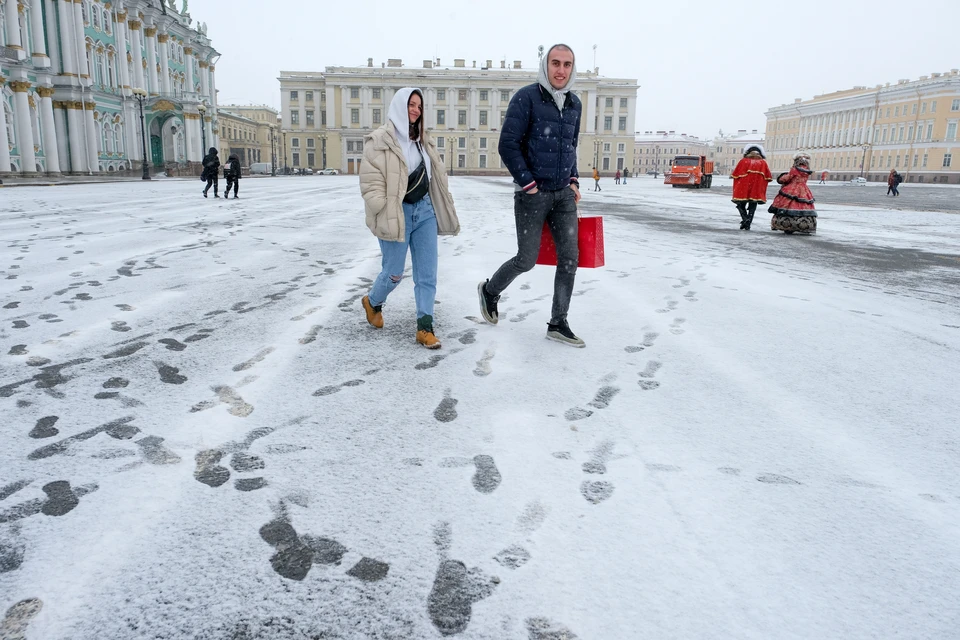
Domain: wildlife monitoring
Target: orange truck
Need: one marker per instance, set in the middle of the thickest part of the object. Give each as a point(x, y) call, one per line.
point(695, 172)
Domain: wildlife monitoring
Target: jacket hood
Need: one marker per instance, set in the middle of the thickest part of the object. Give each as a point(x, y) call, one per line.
point(755, 147)
point(559, 95)
point(213, 151)
point(398, 112)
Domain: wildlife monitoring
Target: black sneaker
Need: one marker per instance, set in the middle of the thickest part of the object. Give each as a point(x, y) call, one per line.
point(204, 194)
point(562, 333)
point(488, 304)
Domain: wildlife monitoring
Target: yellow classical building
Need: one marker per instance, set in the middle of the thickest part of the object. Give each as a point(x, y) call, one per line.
point(251, 132)
point(326, 114)
point(910, 126)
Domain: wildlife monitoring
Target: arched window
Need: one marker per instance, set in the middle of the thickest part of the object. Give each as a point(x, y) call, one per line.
point(118, 136)
point(107, 137)
point(96, 17)
point(111, 73)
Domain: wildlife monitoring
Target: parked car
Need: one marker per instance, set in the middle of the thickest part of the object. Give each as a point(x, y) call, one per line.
point(859, 181)
point(328, 172)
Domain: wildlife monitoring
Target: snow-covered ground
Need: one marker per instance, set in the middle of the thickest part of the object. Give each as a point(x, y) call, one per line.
point(202, 437)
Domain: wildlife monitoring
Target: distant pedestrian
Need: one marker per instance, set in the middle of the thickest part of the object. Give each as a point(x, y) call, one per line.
point(407, 203)
point(823, 178)
point(211, 172)
point(596, 180)
point(232, 173)
point(625, 174)
point(616, 177)
point(750, 178)
point(893, 181)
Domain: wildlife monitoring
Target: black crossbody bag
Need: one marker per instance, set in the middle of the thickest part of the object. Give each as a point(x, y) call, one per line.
point(418, 184)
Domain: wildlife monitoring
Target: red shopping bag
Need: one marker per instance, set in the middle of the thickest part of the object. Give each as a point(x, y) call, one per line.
point(589, 241)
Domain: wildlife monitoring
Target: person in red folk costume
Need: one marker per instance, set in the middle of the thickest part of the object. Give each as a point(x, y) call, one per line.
point(750, 180)
point(793, 208)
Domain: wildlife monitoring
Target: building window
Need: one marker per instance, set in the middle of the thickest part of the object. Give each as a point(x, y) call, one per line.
point(924, 161)
point(483, 118)
point(376, 116)
point(933, 107)
point(461, 143)
point(623, 103)
point(308, 96)
point(349, 146)
point(462, 95)
point(354, 93)
point(608, 103)
point(916, 159)
point(376, 94)
point(441, 94)
point(323, 118)
point(483, 143)
point(310, 118)
point(354, 116)
point(504, 96)
point(606, 164)
point(896, 112)
point(955, 105)
point(294, 117)
point(461, 161)
point(311, 159)
point(294, 96)
point(622, 124)
point(484, 95)
point(296, 159)
point(606, 148)
point(897, 165)
point(483, 162)
point(294, 142)
point(947, 158)
point(951, 132)
point(923, 108)
point(441, 117)
point(323, 96)
point(440, 142)
point(310, 143)
point(607, 123)
point(461, 117)
point(621, 148)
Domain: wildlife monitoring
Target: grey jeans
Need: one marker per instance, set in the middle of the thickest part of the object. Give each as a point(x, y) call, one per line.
point(559, 210)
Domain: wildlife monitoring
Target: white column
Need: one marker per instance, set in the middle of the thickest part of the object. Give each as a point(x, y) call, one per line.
point(93, 133)
point(473, 116)
point(591, 112)
point(165, 87)
point(137, 54)
point(12, 19)
point(50, 25)
point(49, 129)
point(60, 122)
point(39, 44)
point(188, 63)
point(131, 131)
point(67, 32)
point(28, 159)
point(192, 135)
point(151, 38)
point(4, 142)
point(78, 161)
point(204, 80)
point(81, 48)
point(213, 90)
point(121, 35)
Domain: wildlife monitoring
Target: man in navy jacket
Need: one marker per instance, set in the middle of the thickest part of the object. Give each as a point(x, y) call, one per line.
point(538, 144)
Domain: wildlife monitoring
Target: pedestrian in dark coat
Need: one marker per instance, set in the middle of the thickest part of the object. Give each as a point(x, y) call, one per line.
point(538, 145)
point(232, 173)
point(211, 172)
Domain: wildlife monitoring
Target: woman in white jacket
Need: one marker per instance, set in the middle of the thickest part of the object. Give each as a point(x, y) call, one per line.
point(408, 203)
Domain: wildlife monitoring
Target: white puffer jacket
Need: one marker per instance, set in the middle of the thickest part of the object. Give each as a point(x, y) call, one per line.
point(383, 183)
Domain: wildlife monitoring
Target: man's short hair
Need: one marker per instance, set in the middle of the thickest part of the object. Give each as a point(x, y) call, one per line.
point(561, 46)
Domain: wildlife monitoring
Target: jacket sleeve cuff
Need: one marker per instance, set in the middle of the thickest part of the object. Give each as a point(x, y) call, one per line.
point(529, 186)
point(575, 181)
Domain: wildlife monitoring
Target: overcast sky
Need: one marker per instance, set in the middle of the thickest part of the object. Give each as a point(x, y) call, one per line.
point(709, 66)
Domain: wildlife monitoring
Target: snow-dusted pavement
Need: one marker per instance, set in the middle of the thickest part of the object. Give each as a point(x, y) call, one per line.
point(202, 438)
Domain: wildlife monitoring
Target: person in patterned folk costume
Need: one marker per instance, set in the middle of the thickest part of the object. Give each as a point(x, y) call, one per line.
point(793, 208)
point(750, 180)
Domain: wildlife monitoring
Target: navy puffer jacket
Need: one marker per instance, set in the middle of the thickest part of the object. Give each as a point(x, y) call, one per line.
point(538, 143)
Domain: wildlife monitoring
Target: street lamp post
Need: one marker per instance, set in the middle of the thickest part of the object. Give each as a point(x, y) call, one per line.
point(656, 164)
point(284, 153)
point(863, 160)
point(273, 153)
point(323, 149)
point(203, 128)
point(596, 154)
point(141, 95)
point(452, 142)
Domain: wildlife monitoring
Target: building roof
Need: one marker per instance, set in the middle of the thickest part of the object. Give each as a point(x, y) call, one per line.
point(668, 137)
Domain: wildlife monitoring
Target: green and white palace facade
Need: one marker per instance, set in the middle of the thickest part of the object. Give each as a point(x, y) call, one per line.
point(71, 72)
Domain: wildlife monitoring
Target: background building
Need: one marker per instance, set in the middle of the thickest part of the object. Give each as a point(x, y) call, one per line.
point(727, 150)
point(250, 132)
point(654, 151)
point(326, 114)
point(68, 71)
point(910, 126)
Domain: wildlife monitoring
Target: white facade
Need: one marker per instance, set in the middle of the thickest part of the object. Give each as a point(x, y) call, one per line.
point(727, 150)
point(654, 150)
point(68, 71)
point(326, 114)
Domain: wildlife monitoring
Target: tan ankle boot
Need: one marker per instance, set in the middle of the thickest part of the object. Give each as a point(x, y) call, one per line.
point(374, 316)
point(428, 339)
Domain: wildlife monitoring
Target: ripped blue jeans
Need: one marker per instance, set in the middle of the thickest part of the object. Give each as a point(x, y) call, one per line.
point(420, 226)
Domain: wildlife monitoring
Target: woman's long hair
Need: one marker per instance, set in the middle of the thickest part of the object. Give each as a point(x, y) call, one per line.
point(416, 127)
